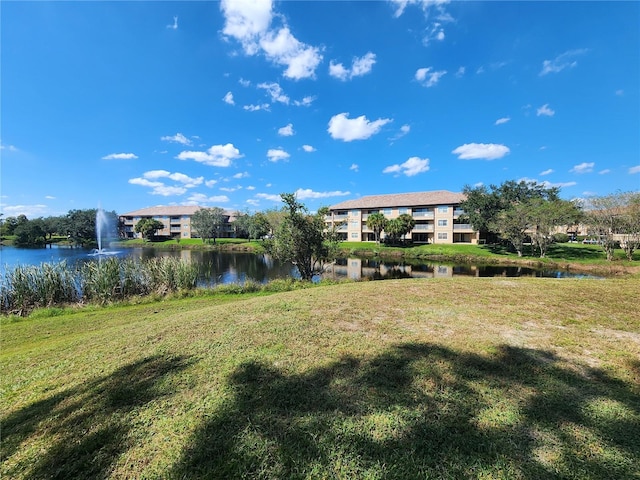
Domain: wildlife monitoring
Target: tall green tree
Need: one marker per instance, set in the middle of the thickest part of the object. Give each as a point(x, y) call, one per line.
point(302, 239)
point(377, 222)
point(208, 222)
point(30, 233)
point(259, 226)
point(148, 227)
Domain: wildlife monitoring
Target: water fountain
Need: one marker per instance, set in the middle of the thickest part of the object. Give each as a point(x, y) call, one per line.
point(103, 227)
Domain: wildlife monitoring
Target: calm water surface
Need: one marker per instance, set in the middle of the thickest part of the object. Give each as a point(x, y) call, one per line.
point(224, 267)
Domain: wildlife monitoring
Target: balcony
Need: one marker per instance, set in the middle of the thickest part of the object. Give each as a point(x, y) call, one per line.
point(423, 227)
point(427, 215)
point(457, 212)
point(462, 226)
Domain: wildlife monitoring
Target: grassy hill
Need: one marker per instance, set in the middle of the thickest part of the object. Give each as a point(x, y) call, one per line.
point(439, 378)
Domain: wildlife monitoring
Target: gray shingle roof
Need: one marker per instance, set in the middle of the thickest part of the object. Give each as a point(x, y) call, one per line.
point(437, 197)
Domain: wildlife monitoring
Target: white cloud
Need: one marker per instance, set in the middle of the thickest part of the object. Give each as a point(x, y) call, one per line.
point(545, 110)
point(306, 193)
point(215, 156)
point(427, 77)
point(359, 67)
point(49, 197)
point(159, 188)
point(547, 172)
point(546, 183)
point(174, 25)
point(343, 128)
point(634, 170)
point(584, 167)
point(244, 83)
point(120, 156)
point(230, 189)
point(434, 29)
point(286, 131)
point(605, 171)
point(210, 183)
point(308, 148)
point(411, 167)
point(269, 196)
point(460, 72)
point(485, 151)
point(30, 211)
point(277, 154)
point(249, 22)
point(228, 98)
point(275, 92)
point(562, 61)
point(404, 130)
point(305, 102)
point(502, 120)
point(178, 177)
point(255, 108)
point(200, 198)
point(241, 175)
point(11, 148)
point(177, 138)
point(251, 187)
point(150, 179)
point(354, 167)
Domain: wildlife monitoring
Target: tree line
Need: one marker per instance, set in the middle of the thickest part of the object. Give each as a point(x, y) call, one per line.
point(77, 227)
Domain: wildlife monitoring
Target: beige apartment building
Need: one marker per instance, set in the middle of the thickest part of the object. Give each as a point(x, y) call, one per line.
point(176, 220)
point(436, 214)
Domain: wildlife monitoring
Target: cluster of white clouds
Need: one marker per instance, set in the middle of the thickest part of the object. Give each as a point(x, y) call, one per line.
point(411, 167)
point(359, 67)
point(251, 24)
point(562, 61)
point(429, 77)
point(214, 156)
point(152, 179)
point(484, 151)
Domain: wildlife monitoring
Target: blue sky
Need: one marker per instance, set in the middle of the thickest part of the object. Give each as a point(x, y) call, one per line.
point(126, 105)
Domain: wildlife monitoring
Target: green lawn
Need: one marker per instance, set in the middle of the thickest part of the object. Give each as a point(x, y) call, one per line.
point(442, 378)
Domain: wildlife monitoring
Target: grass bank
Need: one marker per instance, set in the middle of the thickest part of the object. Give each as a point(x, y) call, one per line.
point(441, 378)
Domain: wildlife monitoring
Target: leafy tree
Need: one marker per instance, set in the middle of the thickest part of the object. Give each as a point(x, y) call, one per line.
point(241, 224)
point(616, 216)
point(208, 222)
point(30, 233)
point(259, 226)
point(377, 222)
point(80, 226)
point(503, 210)
point(302, 240)
point(400, 226)
point(148, 227)
point(9, 225)
point(545, 216)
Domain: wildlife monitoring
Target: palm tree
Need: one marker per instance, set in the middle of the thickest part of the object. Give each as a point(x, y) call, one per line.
point(377, 222)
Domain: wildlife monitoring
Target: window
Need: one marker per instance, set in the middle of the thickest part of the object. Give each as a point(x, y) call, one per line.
point(386, 211)
point(354, 224)
point(355, 213)
point(442, 235)
point(354, 235)
point(443, 209)
point(403, 210)
point(442, 223)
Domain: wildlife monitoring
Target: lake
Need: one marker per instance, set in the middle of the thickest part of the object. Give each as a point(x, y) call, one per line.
point(239, 267)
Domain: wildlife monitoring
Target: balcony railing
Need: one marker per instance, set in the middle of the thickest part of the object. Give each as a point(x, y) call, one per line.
point(422, 214)
point(423, 228)
point(462, 226)
point(457, 212)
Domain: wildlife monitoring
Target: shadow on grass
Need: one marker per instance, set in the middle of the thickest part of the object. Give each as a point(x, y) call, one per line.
point(421, 411)
point(84, 429)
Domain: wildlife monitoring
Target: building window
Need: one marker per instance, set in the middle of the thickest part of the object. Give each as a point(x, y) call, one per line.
point(442, 235)
point(355, 213)
point(354, 235)
point(403, 210)
point(354, 224)
point(442, 223)
point(443, 209)
point(386, 211)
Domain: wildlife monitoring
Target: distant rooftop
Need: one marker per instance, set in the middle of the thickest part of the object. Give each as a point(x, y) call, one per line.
point(436, 197)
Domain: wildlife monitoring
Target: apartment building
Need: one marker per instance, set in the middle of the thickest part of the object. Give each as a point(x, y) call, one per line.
point(436, 213)
point(176, 220)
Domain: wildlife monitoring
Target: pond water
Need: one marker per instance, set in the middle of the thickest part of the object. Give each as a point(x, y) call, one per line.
point(231, 267)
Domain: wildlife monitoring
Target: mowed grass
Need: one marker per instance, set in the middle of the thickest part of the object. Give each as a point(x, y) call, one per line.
point(441, 378)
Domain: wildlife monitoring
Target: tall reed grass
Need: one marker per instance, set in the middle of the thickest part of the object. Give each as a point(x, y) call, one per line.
point(25, 288)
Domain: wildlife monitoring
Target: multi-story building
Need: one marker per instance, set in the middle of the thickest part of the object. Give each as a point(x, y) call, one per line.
point(176, 220)
point(436, 214)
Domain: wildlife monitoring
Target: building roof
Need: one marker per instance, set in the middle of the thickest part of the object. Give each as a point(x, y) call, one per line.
point(170, 210)
point(437, 197)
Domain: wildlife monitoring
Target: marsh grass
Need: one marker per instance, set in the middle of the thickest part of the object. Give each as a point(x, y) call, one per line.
point(25, 288)
point(411, 379)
